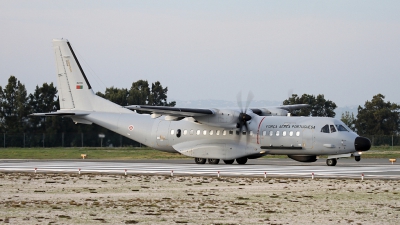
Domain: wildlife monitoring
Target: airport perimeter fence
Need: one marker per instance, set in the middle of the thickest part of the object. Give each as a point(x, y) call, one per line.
point(48, 140)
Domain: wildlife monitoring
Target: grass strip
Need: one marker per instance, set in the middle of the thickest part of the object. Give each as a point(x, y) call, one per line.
point(142, 153)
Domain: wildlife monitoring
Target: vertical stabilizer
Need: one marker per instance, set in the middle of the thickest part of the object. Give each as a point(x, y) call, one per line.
point(74, 89)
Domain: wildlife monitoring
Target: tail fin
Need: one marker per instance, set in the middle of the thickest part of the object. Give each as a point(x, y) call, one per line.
point(74, 89)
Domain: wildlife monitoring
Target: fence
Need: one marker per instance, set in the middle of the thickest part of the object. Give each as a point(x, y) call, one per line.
point(384, 140)
point(27, 140)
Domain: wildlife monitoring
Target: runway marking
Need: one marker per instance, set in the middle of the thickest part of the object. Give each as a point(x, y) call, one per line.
point(370, 171)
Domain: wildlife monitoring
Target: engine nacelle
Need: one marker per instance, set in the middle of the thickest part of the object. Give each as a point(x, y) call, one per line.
point(221, 118)
point(303, 158)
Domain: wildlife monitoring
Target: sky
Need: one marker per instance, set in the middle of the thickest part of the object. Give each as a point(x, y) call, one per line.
point(348, 51)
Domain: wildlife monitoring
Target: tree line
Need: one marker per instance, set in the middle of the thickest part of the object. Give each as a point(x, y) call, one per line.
point(376, 117)
point(19, 129)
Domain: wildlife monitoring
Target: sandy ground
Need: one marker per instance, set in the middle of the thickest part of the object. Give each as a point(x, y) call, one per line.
point(27, 198)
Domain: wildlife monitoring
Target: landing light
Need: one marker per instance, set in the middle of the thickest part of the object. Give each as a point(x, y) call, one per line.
point(360, 153)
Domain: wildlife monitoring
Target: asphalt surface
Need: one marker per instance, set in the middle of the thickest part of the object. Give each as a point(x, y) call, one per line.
point(345, 168)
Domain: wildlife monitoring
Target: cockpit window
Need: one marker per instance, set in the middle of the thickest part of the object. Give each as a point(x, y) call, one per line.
point(325, 129)
point(341, 128)
point(333, 129)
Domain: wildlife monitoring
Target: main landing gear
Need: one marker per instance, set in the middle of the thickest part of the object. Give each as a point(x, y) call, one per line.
point(331, 162)
point(199, 160)
point(216, 161)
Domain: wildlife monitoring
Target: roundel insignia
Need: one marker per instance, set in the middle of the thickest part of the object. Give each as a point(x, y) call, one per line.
point(130, 127)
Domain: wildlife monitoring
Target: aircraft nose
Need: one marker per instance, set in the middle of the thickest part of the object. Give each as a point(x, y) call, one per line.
point(362, 144)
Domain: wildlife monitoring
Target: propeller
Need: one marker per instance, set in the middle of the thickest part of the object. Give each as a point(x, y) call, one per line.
point(243, 116)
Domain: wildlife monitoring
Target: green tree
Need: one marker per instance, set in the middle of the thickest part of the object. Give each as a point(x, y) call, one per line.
point(158, 95)
point(378, 117)
point(14, 107)
point(44, 99)
point(319, 106)
point(116, 95)
point(349, 119)
point(139, 93)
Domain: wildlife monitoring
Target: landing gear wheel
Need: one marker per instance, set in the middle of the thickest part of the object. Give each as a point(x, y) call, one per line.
point(213, 161)
point(357, 158)
point(199, 160)
point(241, 160)
point(229, 161)
point(331, 162)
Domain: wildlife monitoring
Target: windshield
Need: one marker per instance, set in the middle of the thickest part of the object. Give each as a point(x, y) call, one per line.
point(341, 128)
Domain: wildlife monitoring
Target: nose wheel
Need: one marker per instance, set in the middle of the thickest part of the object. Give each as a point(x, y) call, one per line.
point(331, 162)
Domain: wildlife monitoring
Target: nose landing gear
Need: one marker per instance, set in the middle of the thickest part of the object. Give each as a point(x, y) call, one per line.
point(357, 158)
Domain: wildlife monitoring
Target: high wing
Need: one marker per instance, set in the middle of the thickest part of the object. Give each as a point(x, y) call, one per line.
point(195, 112)
point(172, 111)
point(292, 107)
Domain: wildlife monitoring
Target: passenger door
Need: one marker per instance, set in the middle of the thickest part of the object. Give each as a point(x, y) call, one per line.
point(163, 133)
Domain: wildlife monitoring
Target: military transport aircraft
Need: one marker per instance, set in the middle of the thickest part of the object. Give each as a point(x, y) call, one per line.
point(205, 134)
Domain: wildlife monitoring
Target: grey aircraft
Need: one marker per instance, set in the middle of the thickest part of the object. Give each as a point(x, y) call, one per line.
point(205, 134)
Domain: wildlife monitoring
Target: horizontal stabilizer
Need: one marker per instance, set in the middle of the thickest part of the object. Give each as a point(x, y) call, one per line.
point(62, 113)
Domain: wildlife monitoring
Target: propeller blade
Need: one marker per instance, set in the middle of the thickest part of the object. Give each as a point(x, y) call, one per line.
point(243, 116)
point(239, 100)
point(250, 97)
point(247, 133)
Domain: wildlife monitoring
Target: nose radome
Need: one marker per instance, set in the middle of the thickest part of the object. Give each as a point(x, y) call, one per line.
point(362, 144)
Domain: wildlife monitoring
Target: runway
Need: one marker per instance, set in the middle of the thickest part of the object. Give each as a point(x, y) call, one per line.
point(346, 168)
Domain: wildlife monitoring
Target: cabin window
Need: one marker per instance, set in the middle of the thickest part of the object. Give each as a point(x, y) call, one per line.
point(271, 133)
point(198, 132)
point(244, 132)
point(341, 128)
point(264, 133)
point(284, 133)
point(325, 129)
point(172, 132)
point(211, 132)
point(290, 133)
point(224, 132)
point(231, 132)
point(191, 132)
point(277, 133)
point(178, 133)
point(237, 132)
point(297, 133)
point(204, 132)
point(184, 132)
point(333, 129)
point(217, 133)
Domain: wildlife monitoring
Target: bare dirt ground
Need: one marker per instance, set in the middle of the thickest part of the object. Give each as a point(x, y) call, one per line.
point(27, 198)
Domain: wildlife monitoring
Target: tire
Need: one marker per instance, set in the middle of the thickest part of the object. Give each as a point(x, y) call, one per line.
point(357, 158)
point(213, 161)
point(331, 162)
point(199, 160)
point(229, 161)
point(241, 161)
